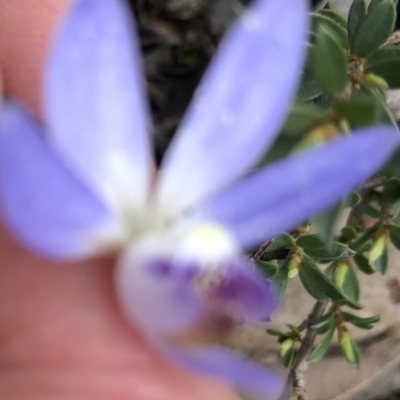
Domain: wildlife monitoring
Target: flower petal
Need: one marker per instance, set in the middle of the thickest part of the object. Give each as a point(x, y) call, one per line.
point(240, 105)
point(225, 365)
point(156, 297)
point(292, 190)
point(168, 294)
point(44, 204)
point(235, 290)
point(95, 101)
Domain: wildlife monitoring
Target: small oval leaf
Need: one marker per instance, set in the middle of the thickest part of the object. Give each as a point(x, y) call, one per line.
point(323, 346)
point(385, 62)
point(363, 264)
point(374, 29)
point(313, 241)
point(338, 29)
point(351, 285)
point(302, 118)
point(329, 62)
point(357, 13)
point(317, 283)
point(391, 190)
point(382, 262)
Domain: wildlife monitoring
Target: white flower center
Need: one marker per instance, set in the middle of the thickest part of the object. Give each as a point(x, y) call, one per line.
point(208, 243)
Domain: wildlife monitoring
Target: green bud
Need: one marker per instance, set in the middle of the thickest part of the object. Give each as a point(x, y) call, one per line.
point(346, 344)
point(286, 346)
point(320, 134)
point(344, 126)
point(294, 264)
point(340, 273)
point(378, 247)
point(372, 81)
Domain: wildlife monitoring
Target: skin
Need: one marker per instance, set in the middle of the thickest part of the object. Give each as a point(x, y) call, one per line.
point(61, 333)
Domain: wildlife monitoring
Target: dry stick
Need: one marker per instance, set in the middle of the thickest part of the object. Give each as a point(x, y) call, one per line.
point(393, 39)
point(295, 380)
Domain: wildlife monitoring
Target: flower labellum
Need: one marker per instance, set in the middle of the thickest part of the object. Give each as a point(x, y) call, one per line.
point(83, 184)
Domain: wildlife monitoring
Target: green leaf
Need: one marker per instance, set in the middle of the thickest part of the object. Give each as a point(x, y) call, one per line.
point(334, 16)
point(349, 232)
point(338, 251)
point(373, 212)
point(396, 212)
point(385, 62)
point(275, 332)
point(380, 55)
point(329, 62)
point(392, 167)
point(385, 115)
point(357, 13)
point(363, 323)
point(382, 262)
point(329, 271)
point(358, 111)
point(288, 356)
point(394, 234)
point(324, 325)
point(391, 190)
point(351, 285)
point(326, 222)
point(310, 242)
point(302, 118)
point(374, 3)
point(267, 268)
point(374, 29)
point(282, 147)
point(323, 346)
point(283, 241)
point(363, 264)
point(281, 278)
point(339, 31)
point(364, 246)
point(323, 101)
point(358, 244)
point(317, 283)
point(352, 200)
point(308, 88)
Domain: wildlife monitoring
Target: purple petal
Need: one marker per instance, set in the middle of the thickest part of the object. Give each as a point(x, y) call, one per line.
point(43, 203)
point(225, 365)
point(95, 101)
point(155, 296)
point(240, 105)
point(235, 290)
point(290, 191)
point(164, 295)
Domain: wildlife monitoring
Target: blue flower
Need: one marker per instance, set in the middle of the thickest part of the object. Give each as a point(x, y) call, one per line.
point(85, 183)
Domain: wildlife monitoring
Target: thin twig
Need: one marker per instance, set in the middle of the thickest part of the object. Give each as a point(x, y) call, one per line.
point(393, 39)
point(261, 250)
point(356, 214)
point(295, 381)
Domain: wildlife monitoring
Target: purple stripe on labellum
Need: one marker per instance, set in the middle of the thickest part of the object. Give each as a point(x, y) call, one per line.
point(235, 289)
point(182, 293)
point(155, 294)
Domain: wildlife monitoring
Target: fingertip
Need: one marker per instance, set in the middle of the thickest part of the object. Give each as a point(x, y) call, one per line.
point(26, 29)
